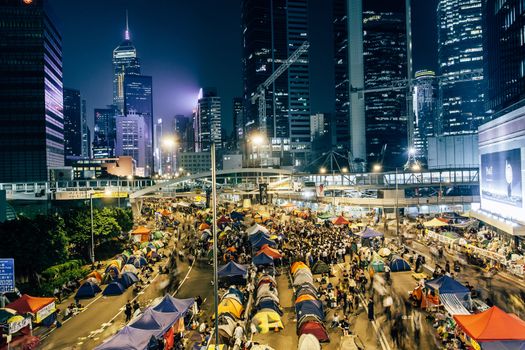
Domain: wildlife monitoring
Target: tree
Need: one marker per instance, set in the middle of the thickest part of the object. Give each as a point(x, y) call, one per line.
point(124, 218)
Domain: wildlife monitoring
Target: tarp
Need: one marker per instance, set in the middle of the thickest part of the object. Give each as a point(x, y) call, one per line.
point(87, 290)
point(232, 269)
point(340, 220)
point(316, 329)
point(493, 324)
point(262, 259)
point(453, 305)
point(434, 223)
point(171, 304)
point(369, 233)
point(128, 338)
point(262, 241)
point(308, 342)
point(256, 228)
point(399, 264)
point(447, 285)
point(114, 288)
point(320, 267)
point(270, 252)
point(309, 307)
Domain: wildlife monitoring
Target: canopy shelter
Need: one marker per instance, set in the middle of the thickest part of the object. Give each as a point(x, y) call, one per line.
point(141, 234)
point(257, 236)
point(435, 223)
point(262, 259)
point(156, 321)
point(171, 304)
point(127, 338)
point(256, 228)
point(494, 329)
point(87, 290)
point(274, 253)
point(232, 269)
point(340, 220)
point(262, 241)
point(369, 233)
point(447, 285)
point(399, 264)
point(40, 307)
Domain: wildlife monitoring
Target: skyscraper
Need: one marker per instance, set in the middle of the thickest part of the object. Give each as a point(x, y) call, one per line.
point(105, 132)
point(207, 123)
point(86, 133)
point(272, 31)
point(385, 61)
point(125, 62)
point(131, 140)
point(460, 50)
point(238, 117)
point(31, 101)
point(503, 53)
point(425, 110)
point(72, 123)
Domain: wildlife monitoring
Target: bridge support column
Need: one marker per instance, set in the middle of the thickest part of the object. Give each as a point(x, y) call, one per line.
point(136, 206)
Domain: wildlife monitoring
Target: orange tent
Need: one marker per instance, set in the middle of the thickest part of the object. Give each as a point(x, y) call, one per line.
point(274, 253)
point(95, 274)
point(165, 212)
point(204, 226)
point(340, 220)
point(493, 324)
point(305, 297)
point(40, 307)
point(297, 266)
point(143, 232)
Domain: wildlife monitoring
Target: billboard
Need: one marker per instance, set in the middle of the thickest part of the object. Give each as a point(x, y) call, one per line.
point(501, 177)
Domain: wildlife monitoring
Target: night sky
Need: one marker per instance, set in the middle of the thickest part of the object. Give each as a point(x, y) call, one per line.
point(185, 45)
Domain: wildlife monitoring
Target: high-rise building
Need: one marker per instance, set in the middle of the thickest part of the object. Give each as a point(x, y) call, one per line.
point(460, 50)
point(31, 101)
point(131, 141)
point(385, 61)
point(125, 62)
point(425, 110)
point(105, 132)
point(272, 31)
point(72, 123)
point(238, 117)
point(207, 123)
point(319, 125)
point(86, 133)
point(503, 53)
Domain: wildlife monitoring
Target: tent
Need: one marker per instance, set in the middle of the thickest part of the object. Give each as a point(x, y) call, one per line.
point(127, 279)
point(232, 269)
point(309, 307)
point(369, 233)
point(266, 279)
point(494, 329)
point(130, 268)
point(435, 223)
point(40, 307)
point(302, 278)
point(257, 236)
point(165, 212)
point(269, 304)
point(113, 271)
point(274, 253)
point(94, 274)
point(137, 261)
point(340, 220)
point(399, 264)
point(297, 266)
point(266, 320)
point(87, 290)
point(320, 267)
point(128, 338)
point(262, 241)
point(308, 342)
point(6, 314)
point(231, 306)
point(256, 228)
point(235, 215)
point(204, 226)
point(317, 329)
point(114, 288)
point(171, 304)
point(262, 259)
point(141, 234)
point(445, 285)
point(305, 297)
point(159, 322)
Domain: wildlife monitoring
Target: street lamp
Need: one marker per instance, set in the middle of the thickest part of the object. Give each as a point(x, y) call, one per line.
point(344, 170)
point(322, 170)
point(377, 168)
point(92, 230)
point(416, 167)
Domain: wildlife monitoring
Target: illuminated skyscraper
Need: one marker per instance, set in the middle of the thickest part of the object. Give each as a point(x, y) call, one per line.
point(207, 121)
point(31, 101)
point(460, 50)
point(72, 123)
point(105, 132)
point(425, 110)
point(125, 62)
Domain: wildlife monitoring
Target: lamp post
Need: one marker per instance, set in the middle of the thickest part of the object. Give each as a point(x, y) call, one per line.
point(92, 230)
point(215, 260)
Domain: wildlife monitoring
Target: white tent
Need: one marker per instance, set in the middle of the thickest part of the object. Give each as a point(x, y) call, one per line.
point(435, 223)
point(308, 342)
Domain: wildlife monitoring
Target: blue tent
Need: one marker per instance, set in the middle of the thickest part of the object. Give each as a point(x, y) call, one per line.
point(269, 304)
point(87, 290)
point(262, 241)
point(309, 307)
point(128, 338)
point(171, 304)
point(114, 288)
point(447, 285)
point(257, 236)
point(159, 322)
point(235, 215)
point(127, 279)
point(237, 292)
point(369, 233)
point(399, 264)
point(262, 259)
point(232, 269)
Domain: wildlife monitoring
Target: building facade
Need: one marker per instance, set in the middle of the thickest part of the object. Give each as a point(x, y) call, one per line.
point(132, 141)
point(460, 50)
point(105, 132)
point(72, 123)
point(207, 123)
point(425, 110)
point(238, 118)
point(504, 53)
point(86, 132)
point(272, 31)
point(31, 100)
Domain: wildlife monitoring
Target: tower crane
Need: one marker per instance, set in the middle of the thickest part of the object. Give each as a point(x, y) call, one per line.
point(260, 94)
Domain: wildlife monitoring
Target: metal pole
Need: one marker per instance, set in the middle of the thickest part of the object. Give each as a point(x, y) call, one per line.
point(92, 230)
point(397, 207)
point(215, 261)
point(118, 194)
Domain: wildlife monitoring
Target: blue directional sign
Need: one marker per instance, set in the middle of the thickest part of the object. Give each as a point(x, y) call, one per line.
point(7, 275)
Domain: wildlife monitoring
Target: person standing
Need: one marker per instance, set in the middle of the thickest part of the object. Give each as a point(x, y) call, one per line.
point(128, 311)
point(387, 304)
point(370, 307)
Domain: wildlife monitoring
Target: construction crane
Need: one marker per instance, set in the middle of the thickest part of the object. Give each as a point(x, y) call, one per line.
point(260, 94)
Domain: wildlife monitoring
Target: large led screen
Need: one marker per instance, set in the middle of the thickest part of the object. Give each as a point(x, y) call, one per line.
point(501, 177)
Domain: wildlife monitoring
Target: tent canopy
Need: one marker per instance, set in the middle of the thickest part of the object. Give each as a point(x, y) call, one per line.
point(493, 324)
point(434, 223)
point(159, 322)
point(340, 220)
point(256, 228)
point(262, 241)
point(369, 233)
point(28, 303)
point(274, 253)
point(128, 338)
point(171, 304)
point(446, 285)
point(262, 259)
point(141, 230)
point(232, 269)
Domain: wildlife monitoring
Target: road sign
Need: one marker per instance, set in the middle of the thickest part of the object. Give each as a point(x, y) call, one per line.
point(7, 275)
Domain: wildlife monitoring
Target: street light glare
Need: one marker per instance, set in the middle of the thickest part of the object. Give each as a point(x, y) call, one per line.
point(344, 170)
point(377, 168)
point(168, 142)
point(416, 167)
point(411, 151)
point(322, 170)
point(257, 139)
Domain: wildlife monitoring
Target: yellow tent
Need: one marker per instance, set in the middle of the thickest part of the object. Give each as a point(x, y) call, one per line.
point(231, 306)
point(305, 297)
point(298, 266)
point(265, 321)
point(117, 263)
point(435, 223)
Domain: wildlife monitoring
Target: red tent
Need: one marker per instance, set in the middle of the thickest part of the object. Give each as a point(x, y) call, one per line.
point(223, 220)
point(340, 220)
point(493, 324)
point(316, 329)
point(274, 253)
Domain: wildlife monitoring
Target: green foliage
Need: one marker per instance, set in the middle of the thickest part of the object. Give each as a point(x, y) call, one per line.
point(124, 218)
point(53, 271)
point(47, 287)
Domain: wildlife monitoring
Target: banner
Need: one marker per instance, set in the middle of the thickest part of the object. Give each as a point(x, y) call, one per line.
point(501, 177)
point(45, 312)
point(263, 194)
point(18, 325)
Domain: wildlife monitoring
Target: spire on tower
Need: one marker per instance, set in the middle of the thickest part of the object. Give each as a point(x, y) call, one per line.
point(126, 34)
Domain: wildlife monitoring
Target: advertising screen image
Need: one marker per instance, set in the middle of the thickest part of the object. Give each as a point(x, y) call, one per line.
point(501, 177)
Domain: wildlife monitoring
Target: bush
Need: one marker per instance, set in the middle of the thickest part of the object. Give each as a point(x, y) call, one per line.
point(75, 274)
point(54, 271)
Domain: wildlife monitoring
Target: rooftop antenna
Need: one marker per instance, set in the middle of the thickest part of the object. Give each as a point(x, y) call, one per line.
point(126, 35)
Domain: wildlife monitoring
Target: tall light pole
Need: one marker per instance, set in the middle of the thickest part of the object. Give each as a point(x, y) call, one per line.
point(397, 205)
point(92, 230)
point(215, 260)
